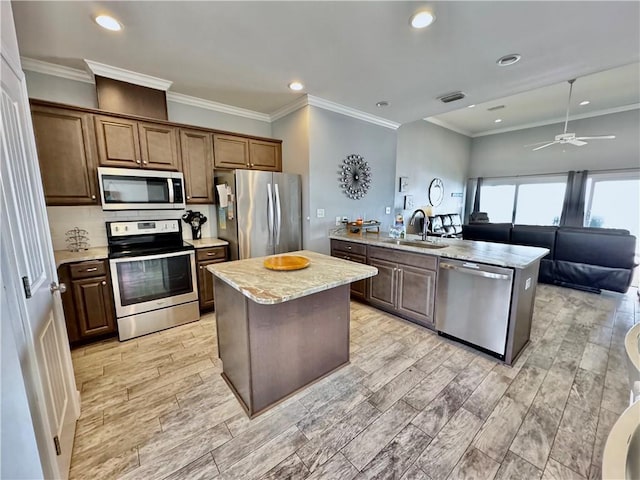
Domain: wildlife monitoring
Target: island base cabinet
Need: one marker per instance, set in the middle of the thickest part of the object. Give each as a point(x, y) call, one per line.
point(269, 352)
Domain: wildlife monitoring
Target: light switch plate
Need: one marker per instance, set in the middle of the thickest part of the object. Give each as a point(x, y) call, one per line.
point(320, 213)
point(338, 221)
point(387, 210)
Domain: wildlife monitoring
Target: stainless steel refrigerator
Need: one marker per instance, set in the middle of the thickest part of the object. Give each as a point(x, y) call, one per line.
point(263, 212)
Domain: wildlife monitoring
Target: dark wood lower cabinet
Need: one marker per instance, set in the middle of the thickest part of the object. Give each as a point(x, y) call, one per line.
point(205, 257)
point(382, 287)
point(354, 253)
point(88, 301)
point(416, 294)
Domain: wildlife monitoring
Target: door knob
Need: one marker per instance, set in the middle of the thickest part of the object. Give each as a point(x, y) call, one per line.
point(57, 287)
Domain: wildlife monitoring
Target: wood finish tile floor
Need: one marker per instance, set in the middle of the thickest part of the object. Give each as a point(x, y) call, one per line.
point(411, 405)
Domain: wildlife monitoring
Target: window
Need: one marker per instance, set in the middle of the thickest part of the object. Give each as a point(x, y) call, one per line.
point(526, 200)
point(613, 201)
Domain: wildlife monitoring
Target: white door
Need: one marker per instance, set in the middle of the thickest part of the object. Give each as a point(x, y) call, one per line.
point(26, 241)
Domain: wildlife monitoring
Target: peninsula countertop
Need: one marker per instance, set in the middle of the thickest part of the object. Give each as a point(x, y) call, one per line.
point(500, 254)
point(268, 287)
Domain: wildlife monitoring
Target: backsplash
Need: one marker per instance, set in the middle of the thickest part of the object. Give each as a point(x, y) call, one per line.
point(93, 218)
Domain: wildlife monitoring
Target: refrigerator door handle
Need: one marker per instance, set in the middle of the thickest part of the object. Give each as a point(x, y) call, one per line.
point(278, 215)
point(269, 212)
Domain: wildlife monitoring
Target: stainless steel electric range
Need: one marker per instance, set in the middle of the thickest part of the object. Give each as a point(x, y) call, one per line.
point(154, 276)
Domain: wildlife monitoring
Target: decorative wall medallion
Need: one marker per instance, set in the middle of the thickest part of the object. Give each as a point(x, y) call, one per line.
point(355, 177)
point(436, 192)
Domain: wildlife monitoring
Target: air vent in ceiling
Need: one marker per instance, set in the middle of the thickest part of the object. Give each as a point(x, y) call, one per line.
point(497, 107)
point(451, 97)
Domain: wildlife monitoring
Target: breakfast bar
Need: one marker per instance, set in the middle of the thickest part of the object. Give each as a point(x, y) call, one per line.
point(279, 331)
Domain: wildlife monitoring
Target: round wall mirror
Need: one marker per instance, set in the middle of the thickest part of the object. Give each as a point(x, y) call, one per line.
point(436, 192)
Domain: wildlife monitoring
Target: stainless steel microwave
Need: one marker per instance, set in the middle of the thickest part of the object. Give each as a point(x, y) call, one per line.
point(133, 189)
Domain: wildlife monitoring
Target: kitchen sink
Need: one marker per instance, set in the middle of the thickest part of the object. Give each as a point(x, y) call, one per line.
point(416, 243)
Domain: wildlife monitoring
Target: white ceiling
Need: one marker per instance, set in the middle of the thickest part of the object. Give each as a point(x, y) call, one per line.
point(613, 90)
point(354, 53)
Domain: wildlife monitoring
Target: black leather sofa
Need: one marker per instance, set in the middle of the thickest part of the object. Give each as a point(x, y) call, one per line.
point(591, 259)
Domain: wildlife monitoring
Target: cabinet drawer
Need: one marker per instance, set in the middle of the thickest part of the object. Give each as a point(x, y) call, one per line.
point(214, 253)
point(349, 247)
point(413, 259)
point(92, 268)
point(353, 257)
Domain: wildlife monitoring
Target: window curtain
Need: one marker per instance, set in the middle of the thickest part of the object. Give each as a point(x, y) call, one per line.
point(476, 199)
point(574, 199)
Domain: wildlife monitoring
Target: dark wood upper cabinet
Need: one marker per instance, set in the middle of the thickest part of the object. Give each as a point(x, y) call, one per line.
point(66, 152)
point(265, 155)
point(197, 165)
point(118, 142)
point(159, 147)
point(231, 151)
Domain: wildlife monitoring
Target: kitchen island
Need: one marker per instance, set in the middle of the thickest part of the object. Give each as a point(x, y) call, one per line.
point(480, 293)
point(279, 331)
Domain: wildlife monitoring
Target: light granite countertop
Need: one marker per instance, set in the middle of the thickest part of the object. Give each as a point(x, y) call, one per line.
point(268, 287)
point(208, 242)
point(500, 254)
point(65, 256)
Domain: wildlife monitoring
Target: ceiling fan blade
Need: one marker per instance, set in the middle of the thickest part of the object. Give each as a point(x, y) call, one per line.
point(577, 143)
point(535, 144)
point(599, 137)
point(545, 146)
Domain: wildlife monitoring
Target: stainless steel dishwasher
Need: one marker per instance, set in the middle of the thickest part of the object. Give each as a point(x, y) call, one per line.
point(472, 303)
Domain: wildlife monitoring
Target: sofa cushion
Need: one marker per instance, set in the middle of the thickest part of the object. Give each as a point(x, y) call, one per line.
point(595, 248)
point(487, 232)
point(572, 274)
point(535, 236)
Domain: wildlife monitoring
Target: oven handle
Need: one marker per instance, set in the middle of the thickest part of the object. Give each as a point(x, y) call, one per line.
point(171, 192)
point(115, 261)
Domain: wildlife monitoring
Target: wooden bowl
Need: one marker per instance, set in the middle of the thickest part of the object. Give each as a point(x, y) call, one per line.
point(286, 262)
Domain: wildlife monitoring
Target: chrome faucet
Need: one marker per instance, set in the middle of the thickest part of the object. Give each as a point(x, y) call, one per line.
point(425, 222)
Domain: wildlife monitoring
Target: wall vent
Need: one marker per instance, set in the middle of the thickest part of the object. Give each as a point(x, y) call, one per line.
point(451, 97)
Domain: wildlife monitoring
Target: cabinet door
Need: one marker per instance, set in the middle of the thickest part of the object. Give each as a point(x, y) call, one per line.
point(94, 306)
point(205, 285)
point(118, 142)
point(159, 147)
point(230, 151)
point(197, 165)
point(265, 155)
point(66, 153)
point(382, 287)
point(416, 293)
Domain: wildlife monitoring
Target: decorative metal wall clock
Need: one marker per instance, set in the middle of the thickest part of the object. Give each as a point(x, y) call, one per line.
point(436, 192)
point(355, 177)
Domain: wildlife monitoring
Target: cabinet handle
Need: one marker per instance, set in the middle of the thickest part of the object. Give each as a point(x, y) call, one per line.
point(93, 197)
point(211, 254)
point(103, 282)
point(201, 267)
point(138, 161)
point(93, 269)
point(188, 197)
point(145, 162)
point(349, 247)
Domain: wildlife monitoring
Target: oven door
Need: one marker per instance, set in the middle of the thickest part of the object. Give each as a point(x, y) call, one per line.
point(129, 189)
point(150, 282)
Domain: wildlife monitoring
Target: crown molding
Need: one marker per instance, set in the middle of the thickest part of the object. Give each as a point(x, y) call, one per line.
point(351, 112)
point(448, 126)
point(217, 107)
point(297, 104)
point(54, 70)
point(128, 76)
point(595, 113)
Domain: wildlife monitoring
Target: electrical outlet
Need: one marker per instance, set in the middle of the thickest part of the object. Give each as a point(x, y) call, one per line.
point(338, 221)
point(387, 210)
point(320, 213)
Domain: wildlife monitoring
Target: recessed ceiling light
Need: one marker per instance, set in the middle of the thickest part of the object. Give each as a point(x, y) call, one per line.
point(584, 102)
point(422, 19)
point(471, 106)
point(498, 120)
point(297, 86)
point(110, 23)
point(510, 59)
point(382, 103)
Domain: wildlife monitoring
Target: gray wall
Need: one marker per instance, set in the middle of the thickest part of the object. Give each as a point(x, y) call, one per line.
point(61, 90)
point(504, 154)
point(332, 137)
point(427, 151)
point(294, 131)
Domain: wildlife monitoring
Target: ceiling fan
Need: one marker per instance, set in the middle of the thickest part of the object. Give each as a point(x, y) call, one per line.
point(569, 137)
